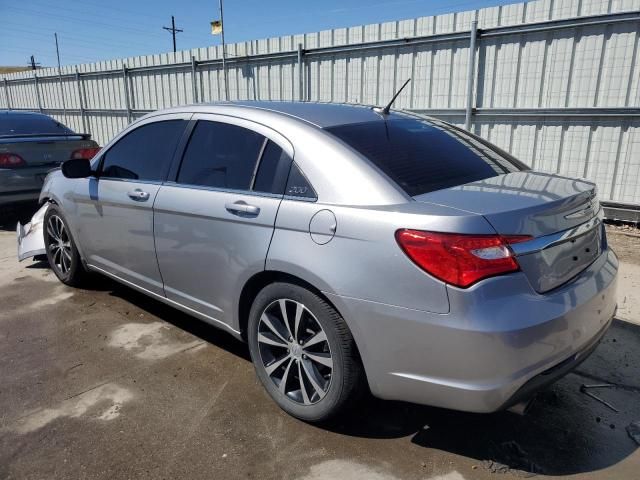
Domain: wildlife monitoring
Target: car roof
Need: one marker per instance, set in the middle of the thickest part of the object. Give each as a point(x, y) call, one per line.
point(320, 114)
point(21, 113)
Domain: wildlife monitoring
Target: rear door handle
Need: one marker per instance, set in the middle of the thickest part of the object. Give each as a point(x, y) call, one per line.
point(138, 195)
point(241, 207)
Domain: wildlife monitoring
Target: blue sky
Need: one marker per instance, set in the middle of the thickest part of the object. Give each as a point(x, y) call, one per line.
point(91, 30)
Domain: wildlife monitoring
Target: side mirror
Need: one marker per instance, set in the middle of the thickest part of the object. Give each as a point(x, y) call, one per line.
point(76, 168)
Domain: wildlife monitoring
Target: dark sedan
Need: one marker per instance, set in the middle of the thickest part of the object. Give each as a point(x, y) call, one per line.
point(31, 144)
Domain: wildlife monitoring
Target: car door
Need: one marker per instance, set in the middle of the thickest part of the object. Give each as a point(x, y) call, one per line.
point(115, 208)
point(214, 219)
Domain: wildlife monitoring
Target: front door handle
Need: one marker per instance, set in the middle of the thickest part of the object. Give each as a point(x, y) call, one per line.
point(241, 207)
point(138, 195)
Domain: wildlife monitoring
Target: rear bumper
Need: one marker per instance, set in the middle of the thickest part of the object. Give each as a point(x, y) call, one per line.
point(10, 198)
point(21, 184)
point(498, 336)
point(556, 372)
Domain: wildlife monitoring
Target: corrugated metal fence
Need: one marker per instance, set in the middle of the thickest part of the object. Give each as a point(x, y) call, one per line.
point(555, 82)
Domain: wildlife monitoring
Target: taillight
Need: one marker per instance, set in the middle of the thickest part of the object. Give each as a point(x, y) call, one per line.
point(460, 259)
point(11, 160)
point(86, 153)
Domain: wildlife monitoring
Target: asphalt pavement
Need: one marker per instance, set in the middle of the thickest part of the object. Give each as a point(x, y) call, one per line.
point(103, 382)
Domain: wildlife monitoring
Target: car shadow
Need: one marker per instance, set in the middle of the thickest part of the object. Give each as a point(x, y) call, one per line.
point(10, 215)
point(179, 319)
point(565, 431)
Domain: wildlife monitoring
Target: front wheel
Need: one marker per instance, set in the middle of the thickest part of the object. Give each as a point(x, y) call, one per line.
point(303, 352)
point(62, 253)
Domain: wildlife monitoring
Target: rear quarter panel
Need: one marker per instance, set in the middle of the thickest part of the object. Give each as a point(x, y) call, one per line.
point(363, 260)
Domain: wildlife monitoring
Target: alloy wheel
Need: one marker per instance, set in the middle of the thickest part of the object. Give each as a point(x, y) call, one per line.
point(59, 245)
point(295, 351)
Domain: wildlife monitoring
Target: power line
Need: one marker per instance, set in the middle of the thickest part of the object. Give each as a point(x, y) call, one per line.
point(104, 25)
point(27, 50)
point(111, 26)
point(89, 16)
point(173, 31)
point(110, 8)
point(95, 40)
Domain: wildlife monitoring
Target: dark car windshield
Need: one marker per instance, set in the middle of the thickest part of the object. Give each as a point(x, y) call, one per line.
point(422, 156)
point(26, 124)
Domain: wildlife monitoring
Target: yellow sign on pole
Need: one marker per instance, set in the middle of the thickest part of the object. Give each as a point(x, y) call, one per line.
point(216, 27)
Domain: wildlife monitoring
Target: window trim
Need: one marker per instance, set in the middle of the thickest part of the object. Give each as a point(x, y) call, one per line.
point(268, 133)
point(251, 193)
point(98, 161)
point(256, 167)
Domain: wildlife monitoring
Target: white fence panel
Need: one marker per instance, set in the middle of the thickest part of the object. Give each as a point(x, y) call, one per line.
point(556, 82)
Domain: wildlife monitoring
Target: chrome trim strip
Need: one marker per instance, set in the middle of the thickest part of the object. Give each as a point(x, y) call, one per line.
point(540, 243)
point(189, 186)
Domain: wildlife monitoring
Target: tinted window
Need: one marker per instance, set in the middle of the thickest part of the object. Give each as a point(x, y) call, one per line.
point(272, 171)
point(29, 123)
point(145, 153)
point(298, 185)
point(423, 156)
point(220, 155)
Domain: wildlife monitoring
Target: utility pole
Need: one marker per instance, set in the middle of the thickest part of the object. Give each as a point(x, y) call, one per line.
point(33, 64)
point(64, 106)
point(173, 31)
point(224, 57)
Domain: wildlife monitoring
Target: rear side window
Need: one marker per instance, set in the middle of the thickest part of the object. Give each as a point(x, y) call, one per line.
point(271, 176)
point(145, 153)
point(30, 124)
point(220, 155)
point(423, 156)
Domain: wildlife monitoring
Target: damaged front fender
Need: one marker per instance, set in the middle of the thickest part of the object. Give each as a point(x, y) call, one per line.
point(31, 235)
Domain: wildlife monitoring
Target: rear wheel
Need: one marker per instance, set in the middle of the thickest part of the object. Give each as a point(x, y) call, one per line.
point(303, 352)
point(62, 253)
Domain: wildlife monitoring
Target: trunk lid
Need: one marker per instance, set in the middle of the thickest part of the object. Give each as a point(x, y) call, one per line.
point(561, 214)
point(45, 151)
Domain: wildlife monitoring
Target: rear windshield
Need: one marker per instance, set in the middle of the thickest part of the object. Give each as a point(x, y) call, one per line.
point(422, 156)
point(25, 124)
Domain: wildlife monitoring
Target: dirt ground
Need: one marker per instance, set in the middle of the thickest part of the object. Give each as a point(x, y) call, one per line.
point(625, 241)
point(103, 382)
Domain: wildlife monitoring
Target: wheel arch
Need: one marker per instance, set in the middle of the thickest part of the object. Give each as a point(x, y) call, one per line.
point(260, 280)
point(53, 200)
point(48, 199)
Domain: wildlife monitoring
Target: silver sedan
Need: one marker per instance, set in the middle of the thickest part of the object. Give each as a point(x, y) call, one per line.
point(351, 247)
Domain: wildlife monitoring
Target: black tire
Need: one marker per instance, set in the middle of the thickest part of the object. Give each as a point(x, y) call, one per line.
point(340, 385)
point(64, 260)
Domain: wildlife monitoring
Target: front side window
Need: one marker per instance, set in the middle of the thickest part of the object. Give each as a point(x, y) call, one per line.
point(423, 156)
point(145, 153)
point(221, 155)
